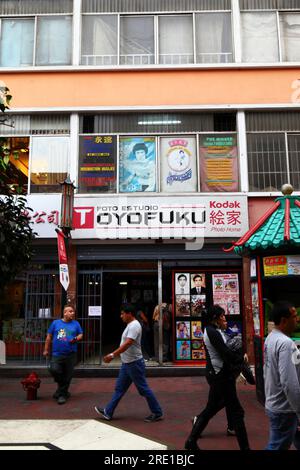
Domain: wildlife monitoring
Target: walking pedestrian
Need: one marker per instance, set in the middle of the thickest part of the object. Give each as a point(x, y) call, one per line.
point(63, 336)
point(221, 366)
point(132, 368)
point(282, 378)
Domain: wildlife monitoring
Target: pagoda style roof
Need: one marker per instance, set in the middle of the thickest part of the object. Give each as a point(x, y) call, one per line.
point(278, 228)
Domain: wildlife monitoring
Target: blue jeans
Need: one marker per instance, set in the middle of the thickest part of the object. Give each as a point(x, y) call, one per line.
point(133, 372)
point(283, 431)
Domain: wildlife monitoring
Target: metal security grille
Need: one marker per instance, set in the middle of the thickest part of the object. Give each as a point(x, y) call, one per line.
point(161, 123)
point(43, 305)
point(269, 4)
point(293, 141)
point(129, 6)
point(267, 162)
point(28, 7)
point(89, 294)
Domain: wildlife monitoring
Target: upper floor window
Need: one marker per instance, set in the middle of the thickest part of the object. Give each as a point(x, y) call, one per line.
point(156, 39)
point(264, 41)
point(40, 40)
point(273, 148)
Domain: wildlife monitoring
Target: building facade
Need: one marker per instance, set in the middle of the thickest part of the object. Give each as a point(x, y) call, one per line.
point(178, 121)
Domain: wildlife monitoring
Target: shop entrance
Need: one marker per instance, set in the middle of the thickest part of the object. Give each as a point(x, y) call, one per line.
point(138, 288)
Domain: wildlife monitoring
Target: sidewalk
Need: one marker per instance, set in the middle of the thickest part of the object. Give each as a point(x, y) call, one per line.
point(180, 397)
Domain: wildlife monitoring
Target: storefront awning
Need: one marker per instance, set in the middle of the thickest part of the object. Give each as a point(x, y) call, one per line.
point(278, 228)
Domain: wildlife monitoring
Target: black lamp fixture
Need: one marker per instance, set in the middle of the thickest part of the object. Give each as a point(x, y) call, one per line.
point(67, 203)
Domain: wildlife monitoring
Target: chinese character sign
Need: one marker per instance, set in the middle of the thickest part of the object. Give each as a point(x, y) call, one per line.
point(97, 167)
point(137, 164)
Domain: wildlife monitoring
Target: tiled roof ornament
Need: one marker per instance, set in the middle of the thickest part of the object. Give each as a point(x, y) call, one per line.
point(279, 227)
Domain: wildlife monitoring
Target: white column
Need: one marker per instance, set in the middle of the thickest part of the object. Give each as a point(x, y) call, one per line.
point(76, 31)
point(236, 30)
point(242, 148)
point(74, 148)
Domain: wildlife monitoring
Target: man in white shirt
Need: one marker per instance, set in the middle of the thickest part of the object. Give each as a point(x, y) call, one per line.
point(132, 369)
point(282, 379)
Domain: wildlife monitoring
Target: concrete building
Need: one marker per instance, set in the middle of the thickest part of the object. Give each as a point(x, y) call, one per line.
point(178, 121)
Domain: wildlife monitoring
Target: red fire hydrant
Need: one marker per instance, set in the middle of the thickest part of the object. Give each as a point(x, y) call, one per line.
point(30, 384)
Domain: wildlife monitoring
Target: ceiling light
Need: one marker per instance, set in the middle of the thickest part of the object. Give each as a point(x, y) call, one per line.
point(151, 123)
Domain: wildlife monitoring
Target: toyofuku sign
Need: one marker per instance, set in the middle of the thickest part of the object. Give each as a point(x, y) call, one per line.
point(161, 217)
point(122, 217)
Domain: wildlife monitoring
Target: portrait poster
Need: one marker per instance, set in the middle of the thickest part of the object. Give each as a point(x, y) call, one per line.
point(178, 164)
point(137, 164)
point(198, 286)
point(197, 332)
point(183, 350)
point(218, 163)
point(183, 330)
point(97, 164)
point(182, 283)
point(183, 306)
point(226, 292)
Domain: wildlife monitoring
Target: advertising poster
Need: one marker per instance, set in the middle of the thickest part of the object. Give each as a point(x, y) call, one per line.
point(293, 265)
point(137, 164)
point(198, 350)
point(183, 305)
point(234, 327)
point(183, 350)
point(275, 266)
point(198, 304)
point(197, 332)
point(255, 307)
point(183, 330)
point(178, 164)
point(182, 283)
point(218, 163)
point(226, 292)
point(97, 167)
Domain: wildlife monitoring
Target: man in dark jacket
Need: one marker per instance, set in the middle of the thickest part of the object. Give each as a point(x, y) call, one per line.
point(221, 378)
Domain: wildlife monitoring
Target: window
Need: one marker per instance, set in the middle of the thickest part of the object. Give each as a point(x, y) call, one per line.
point(49, 163)
point(290, 36)
point(99, 40)
point(21, 46)
point(259, 37)
point(267, 161)
point(263, 42)
point(213, 38)
point(137, 40)
point(176, 40)
point(17, 148)
point(54, 41)
point(294, 159)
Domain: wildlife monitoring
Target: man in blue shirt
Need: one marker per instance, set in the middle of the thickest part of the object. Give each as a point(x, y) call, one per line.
point(63, 335)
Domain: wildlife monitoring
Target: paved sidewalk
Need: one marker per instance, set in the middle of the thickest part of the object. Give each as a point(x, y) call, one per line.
point(180, 397)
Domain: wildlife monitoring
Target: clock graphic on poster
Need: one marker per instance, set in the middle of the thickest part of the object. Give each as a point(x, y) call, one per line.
point(178, 160)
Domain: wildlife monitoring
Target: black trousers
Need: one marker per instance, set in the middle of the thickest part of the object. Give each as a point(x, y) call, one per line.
point(222, 393)
point(62, 369)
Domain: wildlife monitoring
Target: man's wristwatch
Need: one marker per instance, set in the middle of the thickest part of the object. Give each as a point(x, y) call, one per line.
point(112, 355)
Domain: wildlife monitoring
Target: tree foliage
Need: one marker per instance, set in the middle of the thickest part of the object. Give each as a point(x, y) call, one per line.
point(16, 234)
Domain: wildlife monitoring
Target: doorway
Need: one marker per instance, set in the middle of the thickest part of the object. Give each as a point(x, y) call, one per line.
point(138, 288)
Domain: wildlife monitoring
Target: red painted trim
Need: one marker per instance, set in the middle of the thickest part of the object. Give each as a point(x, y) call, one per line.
point(260, 298)
point(287, 220)
point(297, 203)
